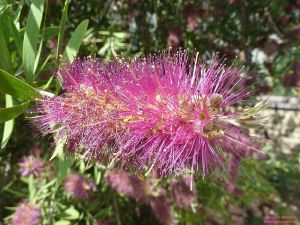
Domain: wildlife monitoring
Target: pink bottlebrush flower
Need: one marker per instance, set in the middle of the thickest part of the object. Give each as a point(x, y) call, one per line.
point(26, 214)
point(82, 116)
point(128, 184)
point(179, 114)
point(184, 194)
point(31, 165)
point(167, 112)
point(78, 186)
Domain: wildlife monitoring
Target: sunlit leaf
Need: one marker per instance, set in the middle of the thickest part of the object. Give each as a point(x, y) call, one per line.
point(75, 41)
point(11, 85)
point(58, 149)
point(9, 125)
point(31, 37)
point(12, 112)
point(71, 213)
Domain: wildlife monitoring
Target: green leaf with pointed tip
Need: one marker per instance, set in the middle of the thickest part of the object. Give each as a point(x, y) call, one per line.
point(31, 37)
point(59, 149)
point(75, 41)
point(12, 112)
point(11, 85)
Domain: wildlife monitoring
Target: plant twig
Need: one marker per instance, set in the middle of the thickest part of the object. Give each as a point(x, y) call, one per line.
point(116, 206)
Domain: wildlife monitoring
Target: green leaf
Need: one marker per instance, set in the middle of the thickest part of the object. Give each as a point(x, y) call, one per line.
point(43, 65)
point(48, 34)
point(39, 51)
point(75, 41)
point(63, 167)
point(3, 4)
point(31, 37)
point(62, 162)
point(61, 33)
point(9, 125)
point(62, 222)
point(17, 13)
point(11, 85)
point(58, 149)
point(5, 62)
point(31, 188)
point(71, 213)
point(16, 35)
point(12, 112)
point(7, 12)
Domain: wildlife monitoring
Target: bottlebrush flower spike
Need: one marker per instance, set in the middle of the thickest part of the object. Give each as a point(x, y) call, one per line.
point(168, 112)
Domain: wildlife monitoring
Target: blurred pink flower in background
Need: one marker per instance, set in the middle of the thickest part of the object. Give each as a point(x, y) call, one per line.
point(31, 165)
point(161, 208)
point(128, 184)
point(175, 37)
point(192, 15)
point(184, 194)
point(35, 150)
point(293, 80)
point(26, 214)
point(143, 191)
point(78, 186)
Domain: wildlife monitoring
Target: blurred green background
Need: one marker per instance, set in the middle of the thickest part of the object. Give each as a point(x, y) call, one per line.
point(261, 35)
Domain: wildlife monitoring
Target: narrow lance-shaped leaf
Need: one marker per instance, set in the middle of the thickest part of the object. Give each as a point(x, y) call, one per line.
point(11, 85)
point(5, 61)
point(7, 12)
point(39, 51)
point(12, 112)
point(16, 35)
point(63, 163)
point(48, 34)
point(9, 125)
point(31, 37)
point(75, 41)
